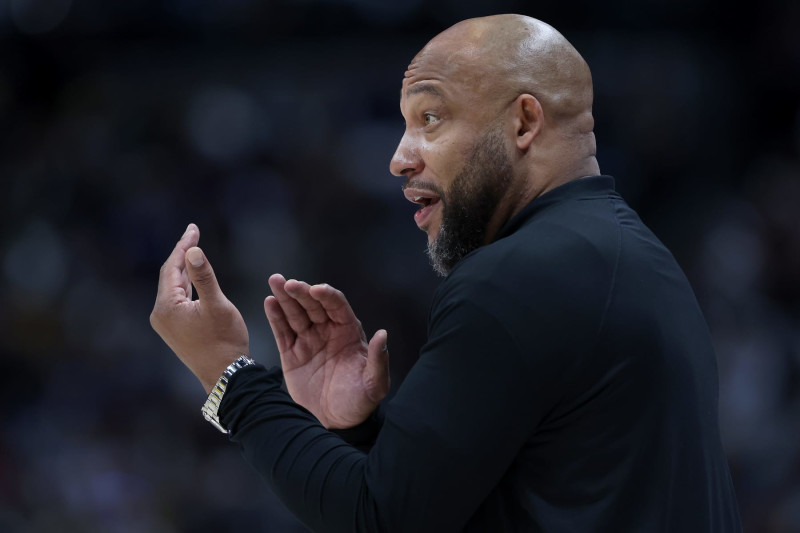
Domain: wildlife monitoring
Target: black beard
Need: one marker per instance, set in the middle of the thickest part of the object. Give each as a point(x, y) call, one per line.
point(470, 202)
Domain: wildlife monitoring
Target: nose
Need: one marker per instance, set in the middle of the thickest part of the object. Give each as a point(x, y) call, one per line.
point(406, 159)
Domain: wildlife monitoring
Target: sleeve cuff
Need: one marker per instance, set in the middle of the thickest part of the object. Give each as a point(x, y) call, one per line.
point(363, 435)
point(242, 387)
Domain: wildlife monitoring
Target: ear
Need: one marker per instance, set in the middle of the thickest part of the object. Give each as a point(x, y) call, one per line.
point(528, 119)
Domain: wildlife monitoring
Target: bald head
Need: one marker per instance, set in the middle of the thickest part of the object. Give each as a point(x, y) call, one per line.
point(503, 56)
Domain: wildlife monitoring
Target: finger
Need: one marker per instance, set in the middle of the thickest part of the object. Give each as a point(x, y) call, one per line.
point(376, 373)
point(334, 303)
point(283, 332)
point(172, 275)
point(202, 277)
point(296, 315)
point(299, 290)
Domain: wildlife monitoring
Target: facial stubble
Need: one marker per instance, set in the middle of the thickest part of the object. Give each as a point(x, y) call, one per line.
point(470, 202)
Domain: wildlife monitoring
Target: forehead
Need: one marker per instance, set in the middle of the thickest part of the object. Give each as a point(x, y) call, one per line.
point(444, 72)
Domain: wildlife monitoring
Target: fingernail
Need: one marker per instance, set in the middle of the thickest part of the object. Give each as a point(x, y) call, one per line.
point(195, 257)
point(187, 230)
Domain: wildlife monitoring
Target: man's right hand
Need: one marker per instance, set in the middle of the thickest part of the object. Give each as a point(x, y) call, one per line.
point(329, 367)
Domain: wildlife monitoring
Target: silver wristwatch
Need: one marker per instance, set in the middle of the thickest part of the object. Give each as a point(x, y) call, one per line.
point(211, 407)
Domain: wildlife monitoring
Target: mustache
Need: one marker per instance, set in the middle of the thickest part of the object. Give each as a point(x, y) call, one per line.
point(422, 184)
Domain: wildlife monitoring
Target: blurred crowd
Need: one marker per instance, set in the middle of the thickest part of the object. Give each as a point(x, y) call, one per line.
point(271, 125)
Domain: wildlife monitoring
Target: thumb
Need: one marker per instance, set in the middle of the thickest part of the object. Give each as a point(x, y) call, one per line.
point(376, 373)
point(202, 276)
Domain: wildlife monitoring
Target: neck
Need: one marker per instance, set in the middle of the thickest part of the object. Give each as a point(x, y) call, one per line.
point(586, 167)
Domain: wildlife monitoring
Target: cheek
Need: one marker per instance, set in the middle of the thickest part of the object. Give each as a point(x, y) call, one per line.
point(444, 159)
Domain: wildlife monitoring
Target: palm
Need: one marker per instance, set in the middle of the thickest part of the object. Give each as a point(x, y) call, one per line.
point(324, 353)
point(324, 371)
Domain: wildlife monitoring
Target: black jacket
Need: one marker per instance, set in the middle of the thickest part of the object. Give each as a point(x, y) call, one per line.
point(568, 384)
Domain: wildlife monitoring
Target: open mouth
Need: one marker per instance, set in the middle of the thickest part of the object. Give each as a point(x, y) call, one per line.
point(426, 199)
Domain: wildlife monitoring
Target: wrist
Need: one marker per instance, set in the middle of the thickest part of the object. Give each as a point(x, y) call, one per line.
point(210, 374)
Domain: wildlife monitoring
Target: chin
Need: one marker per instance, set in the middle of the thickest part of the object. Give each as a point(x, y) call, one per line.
point(431, 232)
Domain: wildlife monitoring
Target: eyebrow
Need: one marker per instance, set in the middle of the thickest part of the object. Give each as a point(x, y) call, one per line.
point(424, 88)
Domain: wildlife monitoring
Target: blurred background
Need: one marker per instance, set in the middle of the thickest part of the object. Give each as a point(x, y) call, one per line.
point(270, 124)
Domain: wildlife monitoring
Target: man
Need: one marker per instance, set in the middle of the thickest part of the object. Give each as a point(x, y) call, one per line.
point(568, 383)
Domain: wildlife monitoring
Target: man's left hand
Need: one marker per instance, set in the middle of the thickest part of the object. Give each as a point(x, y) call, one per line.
point(207, 334)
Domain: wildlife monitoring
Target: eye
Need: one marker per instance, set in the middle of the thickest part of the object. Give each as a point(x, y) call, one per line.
point(429, 119)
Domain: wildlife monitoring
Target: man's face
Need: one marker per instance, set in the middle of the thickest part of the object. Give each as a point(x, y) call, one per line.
point(453, 157)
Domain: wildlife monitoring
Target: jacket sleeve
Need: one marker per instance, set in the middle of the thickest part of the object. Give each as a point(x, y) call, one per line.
point(363, 435)
point(450, 432)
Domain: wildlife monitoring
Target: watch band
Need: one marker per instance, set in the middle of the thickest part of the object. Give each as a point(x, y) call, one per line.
point(211, 407)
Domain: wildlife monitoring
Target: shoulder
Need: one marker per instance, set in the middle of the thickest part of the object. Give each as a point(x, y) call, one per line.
point(555, 254)
point(550, 278)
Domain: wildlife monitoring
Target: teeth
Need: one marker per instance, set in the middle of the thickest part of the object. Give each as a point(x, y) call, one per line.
point(418, 198)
